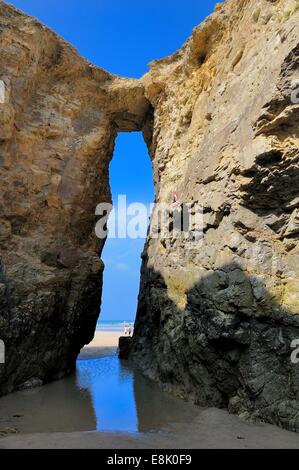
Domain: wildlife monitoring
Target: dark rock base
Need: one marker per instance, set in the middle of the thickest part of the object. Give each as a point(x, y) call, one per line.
point(124, 346)
point(215, 358)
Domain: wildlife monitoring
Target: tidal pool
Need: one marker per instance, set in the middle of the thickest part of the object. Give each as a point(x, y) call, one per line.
point(105, 394)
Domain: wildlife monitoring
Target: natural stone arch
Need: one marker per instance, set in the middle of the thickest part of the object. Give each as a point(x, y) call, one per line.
point(58, 126)
point(225, 133)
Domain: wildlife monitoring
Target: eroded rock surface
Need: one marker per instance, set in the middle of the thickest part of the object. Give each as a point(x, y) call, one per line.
point(216, 319)
point(58, 123)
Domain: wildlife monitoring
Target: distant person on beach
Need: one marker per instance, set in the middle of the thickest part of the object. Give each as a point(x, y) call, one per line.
point(131, 330)
point(128, 329)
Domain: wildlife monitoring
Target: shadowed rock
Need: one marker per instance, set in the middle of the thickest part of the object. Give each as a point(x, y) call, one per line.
point(124, 347)
point(226, 348)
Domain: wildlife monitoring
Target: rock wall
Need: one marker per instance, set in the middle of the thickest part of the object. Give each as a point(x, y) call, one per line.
point(217, 316)
point(59, 117)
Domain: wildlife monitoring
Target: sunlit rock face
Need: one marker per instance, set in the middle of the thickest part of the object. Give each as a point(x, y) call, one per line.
point(59, 116)
point(216, 318)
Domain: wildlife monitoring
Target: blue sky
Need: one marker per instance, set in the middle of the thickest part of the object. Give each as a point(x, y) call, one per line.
point(123, 36)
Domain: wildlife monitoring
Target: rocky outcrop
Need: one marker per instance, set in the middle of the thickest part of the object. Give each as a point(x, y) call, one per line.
point(124, 347)
point(58, 122)
point(217, 316)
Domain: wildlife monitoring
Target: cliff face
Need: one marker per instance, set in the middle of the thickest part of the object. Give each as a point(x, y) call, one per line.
point(58, 124)
point(216, 317)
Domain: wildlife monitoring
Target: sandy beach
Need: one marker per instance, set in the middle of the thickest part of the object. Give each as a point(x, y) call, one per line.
point(103, 343)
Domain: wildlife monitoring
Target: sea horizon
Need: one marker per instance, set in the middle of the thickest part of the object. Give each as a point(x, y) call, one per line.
point(112, 325)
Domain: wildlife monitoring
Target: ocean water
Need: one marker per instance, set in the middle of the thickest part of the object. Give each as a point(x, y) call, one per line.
point(112, 325)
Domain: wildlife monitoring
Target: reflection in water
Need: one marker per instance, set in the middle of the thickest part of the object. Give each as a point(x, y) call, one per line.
point(104, 395)
point(157, 410)
point(111, 387)
point(126, 401)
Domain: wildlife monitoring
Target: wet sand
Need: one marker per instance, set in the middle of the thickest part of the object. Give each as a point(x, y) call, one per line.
point(213, 429)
